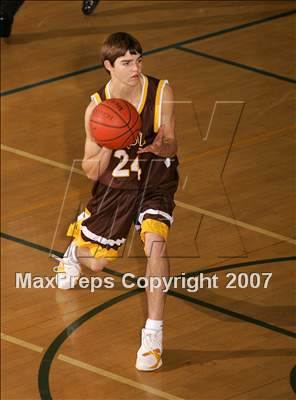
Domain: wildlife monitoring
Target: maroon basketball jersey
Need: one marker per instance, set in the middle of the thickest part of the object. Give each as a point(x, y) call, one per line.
point(127, 169)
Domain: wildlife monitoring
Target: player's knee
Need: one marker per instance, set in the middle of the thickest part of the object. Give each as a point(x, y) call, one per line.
point(155, 245)
point(97, 264)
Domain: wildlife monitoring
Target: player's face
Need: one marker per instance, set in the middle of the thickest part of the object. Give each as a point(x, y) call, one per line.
point(127, 69)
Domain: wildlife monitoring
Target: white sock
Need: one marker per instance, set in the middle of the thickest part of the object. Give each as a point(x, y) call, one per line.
point(71, 252)
point(154, 324)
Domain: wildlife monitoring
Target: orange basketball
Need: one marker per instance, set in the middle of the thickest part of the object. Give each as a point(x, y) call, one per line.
point(115, 123)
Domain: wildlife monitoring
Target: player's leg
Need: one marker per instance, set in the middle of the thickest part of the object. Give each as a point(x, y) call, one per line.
point(157, 266)
point(149, 354)
point(92, 252)
point(154, 234)
point(154, 221)
point(69, 268)
point(86, 258)
point(97, 234)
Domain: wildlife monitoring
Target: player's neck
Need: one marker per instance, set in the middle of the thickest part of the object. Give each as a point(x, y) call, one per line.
point(129, 93)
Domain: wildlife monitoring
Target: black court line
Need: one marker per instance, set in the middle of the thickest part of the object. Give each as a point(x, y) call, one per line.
point(44, 369)
point(237, 27)
point(45, 249)
point(187, 297)
point(233, 314)
point(240, 265)
point(50, 80)
point(153, 51)
point(39, 247)
point(46, 362)
point(236, 64)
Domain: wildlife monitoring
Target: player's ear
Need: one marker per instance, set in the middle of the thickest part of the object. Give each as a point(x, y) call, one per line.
point(107, 65)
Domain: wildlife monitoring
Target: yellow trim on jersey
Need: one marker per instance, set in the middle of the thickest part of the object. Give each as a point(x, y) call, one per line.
point(87, 212)
point(154, 226)
point(158, 99)
point(144, 94)
point(107, 93)
point(96, 98)
point(96, 250)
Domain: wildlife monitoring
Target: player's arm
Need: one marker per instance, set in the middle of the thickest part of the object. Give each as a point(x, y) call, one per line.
point(165, 143)
point(96, 158)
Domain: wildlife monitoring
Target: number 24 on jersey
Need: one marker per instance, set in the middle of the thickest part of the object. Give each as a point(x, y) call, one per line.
point(119, 171)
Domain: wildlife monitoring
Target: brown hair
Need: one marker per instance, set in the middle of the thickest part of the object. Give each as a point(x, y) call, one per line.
point(117, 44)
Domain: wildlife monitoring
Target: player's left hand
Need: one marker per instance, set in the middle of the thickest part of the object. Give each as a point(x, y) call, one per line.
point(157, 146)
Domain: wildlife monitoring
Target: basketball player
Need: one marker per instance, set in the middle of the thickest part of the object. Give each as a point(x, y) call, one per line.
point(136, 184)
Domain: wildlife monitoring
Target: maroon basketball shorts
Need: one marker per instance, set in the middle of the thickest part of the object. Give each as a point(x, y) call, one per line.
point(104, 226)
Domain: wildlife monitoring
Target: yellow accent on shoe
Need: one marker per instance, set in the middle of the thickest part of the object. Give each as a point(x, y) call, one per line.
point(60, 268)
point(157, 354)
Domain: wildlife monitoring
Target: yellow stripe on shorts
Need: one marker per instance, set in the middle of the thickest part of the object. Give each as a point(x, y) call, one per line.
point(154, 226)
point(95, 249)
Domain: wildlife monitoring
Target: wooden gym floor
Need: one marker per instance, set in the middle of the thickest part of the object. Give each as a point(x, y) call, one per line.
point(231, 66)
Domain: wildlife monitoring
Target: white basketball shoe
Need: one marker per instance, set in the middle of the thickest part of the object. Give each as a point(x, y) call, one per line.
point(68, 271)
point(149, 354)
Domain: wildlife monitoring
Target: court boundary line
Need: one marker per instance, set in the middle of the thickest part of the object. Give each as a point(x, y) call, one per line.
point(41, 159)
point(60, 339)
point(188, 298)
point(50, 353)
point(235, 64)
point(233, 314)
point(243, 264)
point(92, 368)
point(179, 203)
point(236, 222)
point(149, 52)
point(43, 376)
point(21, 343)
point(119, 378)
point(95, 67)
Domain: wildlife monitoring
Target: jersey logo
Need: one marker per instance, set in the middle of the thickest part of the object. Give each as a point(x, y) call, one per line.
point(139, 141)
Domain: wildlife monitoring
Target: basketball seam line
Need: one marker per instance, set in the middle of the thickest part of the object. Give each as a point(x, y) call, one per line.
point(106, 125)
point(130, 129)
point(110, 108)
